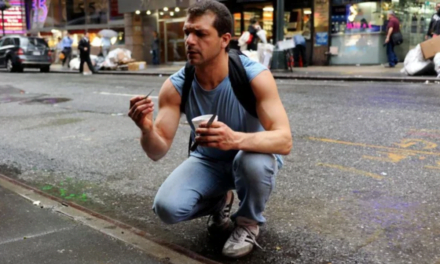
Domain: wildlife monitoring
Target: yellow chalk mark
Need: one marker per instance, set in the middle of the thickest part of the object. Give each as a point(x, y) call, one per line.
point(433, 167)
point(409, 142)
point(349, 169)
point(397, 150)
point(391, 157)
point(424, 130)
point(422, 158)
point(437, 167)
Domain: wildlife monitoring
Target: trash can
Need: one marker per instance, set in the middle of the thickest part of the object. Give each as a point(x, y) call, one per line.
point(278, 60)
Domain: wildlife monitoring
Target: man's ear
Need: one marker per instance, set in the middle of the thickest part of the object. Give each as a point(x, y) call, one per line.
point(226, 38)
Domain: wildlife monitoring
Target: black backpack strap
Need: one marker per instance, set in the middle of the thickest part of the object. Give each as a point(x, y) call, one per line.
point(187, 85)
point(240, 83)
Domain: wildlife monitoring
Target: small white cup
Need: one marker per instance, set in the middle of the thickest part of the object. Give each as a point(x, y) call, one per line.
point(200, 119)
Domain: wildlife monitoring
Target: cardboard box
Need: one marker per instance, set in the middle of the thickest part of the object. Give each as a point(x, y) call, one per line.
point(137, 66)
point(430, 48)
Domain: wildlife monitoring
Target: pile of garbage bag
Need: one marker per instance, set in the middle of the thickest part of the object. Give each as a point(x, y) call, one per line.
point(415, 63)
point(114, 59)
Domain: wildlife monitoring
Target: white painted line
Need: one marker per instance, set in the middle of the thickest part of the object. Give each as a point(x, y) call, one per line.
point(123, 94)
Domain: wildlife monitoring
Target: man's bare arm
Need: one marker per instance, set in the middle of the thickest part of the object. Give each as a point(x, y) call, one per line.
point(277, 138)
point(157, 137)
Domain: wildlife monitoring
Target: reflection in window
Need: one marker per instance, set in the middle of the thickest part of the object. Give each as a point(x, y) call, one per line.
point(76, 12)
point(97, 11)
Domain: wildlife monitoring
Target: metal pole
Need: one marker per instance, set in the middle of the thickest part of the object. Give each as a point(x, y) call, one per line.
point(278, 58)
point(280, 20)
point(3, 22)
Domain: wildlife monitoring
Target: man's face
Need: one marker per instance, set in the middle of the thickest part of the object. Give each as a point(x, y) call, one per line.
point(201, 39)
point(437, 7)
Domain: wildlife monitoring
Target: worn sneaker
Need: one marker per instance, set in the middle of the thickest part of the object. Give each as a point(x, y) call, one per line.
point(242, 240)
point(220, 222)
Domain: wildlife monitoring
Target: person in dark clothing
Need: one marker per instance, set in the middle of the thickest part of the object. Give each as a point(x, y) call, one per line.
point(434, 25)
point(393, 27)
point(155, 45)
point(253, 29)
point(84, 53)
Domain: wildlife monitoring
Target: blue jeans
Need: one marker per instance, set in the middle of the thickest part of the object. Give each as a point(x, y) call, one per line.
point(198, 187)
point(156, 57)
point(392, 57)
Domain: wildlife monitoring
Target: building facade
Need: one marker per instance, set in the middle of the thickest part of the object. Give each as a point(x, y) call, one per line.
point(337, 32)
point(51, 18)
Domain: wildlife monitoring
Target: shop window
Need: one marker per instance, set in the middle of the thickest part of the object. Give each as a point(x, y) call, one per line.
point(75, 12)
point(51, 12)
point(114, 11)
point(298, 21)
point(97, 11)
point(364, 17)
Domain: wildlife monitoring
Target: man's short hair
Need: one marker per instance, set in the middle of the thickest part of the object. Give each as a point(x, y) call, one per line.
point(253, 21)
point(223, 18)
point(391, 12)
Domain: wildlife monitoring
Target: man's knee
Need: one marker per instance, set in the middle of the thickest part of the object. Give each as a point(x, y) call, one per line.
point(253, 167)
point(169, 210)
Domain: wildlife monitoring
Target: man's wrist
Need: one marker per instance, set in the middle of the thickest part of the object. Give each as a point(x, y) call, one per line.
point(238, 140)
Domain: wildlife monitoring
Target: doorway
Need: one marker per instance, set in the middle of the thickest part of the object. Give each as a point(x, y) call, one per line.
point(174, 40)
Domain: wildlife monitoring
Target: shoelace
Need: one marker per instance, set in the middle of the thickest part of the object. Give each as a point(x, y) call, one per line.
point(250, 237)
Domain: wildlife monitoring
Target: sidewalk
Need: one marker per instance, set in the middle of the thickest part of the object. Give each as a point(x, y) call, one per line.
point(376, 73)
point(46, 231)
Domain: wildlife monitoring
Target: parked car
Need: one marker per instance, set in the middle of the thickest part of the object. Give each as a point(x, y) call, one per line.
point(18, 52)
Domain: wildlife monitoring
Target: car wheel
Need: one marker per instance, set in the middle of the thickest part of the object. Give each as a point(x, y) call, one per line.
point(45, 69)
point(9, 65)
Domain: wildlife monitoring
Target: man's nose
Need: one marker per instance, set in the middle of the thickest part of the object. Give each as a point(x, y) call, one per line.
point(190, 39)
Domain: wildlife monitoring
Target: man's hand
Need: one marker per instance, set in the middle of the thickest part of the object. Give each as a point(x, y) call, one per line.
point(387, 40)
point(141, 112)
point(218, 135)
point(85, 49)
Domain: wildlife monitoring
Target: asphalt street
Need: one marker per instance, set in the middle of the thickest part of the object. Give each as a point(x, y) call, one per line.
point(360, 186)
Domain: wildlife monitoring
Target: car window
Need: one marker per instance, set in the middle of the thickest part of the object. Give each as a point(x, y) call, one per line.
point(33, 42)
point(1, 42)
point(7, 42)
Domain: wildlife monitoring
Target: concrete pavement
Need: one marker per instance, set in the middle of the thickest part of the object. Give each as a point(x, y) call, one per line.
point(376, 73)
point(43, 229)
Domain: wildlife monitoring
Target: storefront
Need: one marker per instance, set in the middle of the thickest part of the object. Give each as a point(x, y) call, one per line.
point(51, 18)
point(14, 18)
point(358, 30)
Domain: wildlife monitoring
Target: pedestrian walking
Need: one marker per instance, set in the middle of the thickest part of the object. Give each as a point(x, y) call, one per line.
point(59, 50)
point(241, 150)
point(106, 46)
point(155, 48)
point(434, 25)
point(253, 28)
point(84, 51)
point(67, 49)
point(393, 27)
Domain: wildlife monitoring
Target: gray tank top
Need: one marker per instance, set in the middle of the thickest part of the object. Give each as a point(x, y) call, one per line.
point(222, 101)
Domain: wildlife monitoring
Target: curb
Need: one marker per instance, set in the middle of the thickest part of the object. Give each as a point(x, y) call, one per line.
point(284, 76)
point(139, 235)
